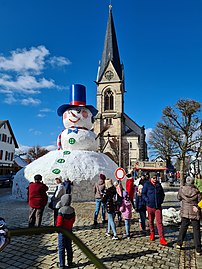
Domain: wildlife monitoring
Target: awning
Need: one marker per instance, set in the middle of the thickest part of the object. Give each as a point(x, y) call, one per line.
point(151, 168)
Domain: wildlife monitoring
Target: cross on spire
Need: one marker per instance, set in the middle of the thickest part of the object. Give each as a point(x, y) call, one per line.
point(110, 4)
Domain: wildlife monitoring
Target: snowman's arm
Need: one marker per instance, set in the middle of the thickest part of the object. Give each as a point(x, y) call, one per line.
point(59, 145)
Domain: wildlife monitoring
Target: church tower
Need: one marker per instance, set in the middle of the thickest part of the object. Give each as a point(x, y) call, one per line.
point(110, 104)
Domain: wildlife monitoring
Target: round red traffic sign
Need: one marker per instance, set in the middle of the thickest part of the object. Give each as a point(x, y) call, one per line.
point(120, 173)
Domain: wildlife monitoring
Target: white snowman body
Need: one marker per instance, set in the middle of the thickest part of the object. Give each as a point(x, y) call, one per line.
point(74, 139)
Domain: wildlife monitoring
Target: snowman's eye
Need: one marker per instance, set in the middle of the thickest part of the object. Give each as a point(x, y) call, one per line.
point(78, 110)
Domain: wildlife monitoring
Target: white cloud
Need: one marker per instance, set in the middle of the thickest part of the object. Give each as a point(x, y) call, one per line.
point(24, 84)
point(59, 61)
point(22, 74)
point(23, 60)
point(35, 132)
point(10, 99)
point(46, 110)
point(30, 101)
point(22, 149)
point(40, 115)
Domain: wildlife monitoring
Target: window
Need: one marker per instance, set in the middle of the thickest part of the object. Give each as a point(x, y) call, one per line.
point(109, 121)
point(11, 140)
point(4, 137)
point(130, 145)
point(108, 100)
point(1, 154)
point(6, 156)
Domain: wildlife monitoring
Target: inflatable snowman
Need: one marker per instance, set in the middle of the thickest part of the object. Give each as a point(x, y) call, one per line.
point(76, 158)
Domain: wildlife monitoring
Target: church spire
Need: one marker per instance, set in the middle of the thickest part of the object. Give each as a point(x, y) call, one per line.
point(110, 51)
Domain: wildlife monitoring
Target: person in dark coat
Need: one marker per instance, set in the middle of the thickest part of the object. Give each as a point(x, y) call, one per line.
point(98, 192)
point(189, 195)
point(109, 193)
point(68, 185)
point(153, 194)
point(37, 200)
point(141, 208)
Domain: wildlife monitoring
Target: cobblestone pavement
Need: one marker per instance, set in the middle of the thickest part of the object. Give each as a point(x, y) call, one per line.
point(40, 251)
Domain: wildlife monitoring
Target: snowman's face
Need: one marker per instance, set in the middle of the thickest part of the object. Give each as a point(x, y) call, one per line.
point(77, 116)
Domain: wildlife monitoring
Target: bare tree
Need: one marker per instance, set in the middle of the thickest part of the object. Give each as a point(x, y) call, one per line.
point(36, 152)
point(161, 144)
point(182, 128)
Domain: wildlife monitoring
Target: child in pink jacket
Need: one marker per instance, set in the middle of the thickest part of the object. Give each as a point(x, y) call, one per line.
point(126, 210)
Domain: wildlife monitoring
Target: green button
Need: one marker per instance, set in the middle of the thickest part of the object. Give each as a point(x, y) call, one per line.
point(60, 160)
point(72, 141)
point(66, 152)
point(56, 171)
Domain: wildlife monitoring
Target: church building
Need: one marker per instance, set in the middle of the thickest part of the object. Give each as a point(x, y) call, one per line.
point(123, 139)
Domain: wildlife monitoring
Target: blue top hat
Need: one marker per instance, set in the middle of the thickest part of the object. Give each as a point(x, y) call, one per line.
point(77, 98)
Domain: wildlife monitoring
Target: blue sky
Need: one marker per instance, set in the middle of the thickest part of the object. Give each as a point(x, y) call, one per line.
point(47, 45)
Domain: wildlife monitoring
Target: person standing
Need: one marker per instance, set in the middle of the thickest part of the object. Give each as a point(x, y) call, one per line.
point(130, 188)
point(190, 212)
point(118, 201)
point(126, 210)
point(109, 193)
point(65, 219)
point(37, 200)
point(59, 192)
point(141, 208)
point(98, 192)
point(153, 194)
point(68, 185)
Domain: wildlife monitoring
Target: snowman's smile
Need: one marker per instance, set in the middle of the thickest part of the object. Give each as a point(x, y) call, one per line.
point(76, 120)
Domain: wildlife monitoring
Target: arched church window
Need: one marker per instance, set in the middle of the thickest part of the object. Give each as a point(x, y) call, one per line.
point(108, 100)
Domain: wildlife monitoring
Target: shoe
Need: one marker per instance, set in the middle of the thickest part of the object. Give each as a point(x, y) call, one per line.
point(128, 237)
point(178, 246)
point(144, 232)
point(95, 223)
point(61, 267)
point(152, 236)
point(107, 234)
point(114, 238)
point(199, 253)
point(71, 265)
point(163, 242)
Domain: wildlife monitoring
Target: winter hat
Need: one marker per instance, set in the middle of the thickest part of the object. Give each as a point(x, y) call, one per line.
point(189, 180)
point(108, 183)
point(102, 176)
point(77, 98)
point(66, 200)
point(128, 175)
point(38, 177)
